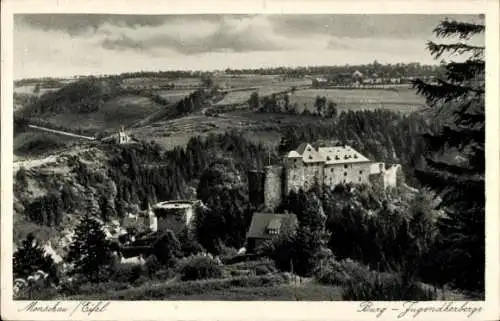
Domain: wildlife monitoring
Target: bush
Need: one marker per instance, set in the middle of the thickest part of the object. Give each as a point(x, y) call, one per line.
point(341, 272)
point(383, 288)
point(152, 265)
point(260, 267)
point(129, 273)
point(200, 267)
point(362, 284)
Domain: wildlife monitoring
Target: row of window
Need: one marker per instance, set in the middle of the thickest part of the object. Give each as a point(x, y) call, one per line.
point(317, 174)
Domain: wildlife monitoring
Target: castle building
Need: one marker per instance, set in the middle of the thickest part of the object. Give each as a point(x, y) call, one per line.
point(330, 166)
point(174, 215)
point(307, 166)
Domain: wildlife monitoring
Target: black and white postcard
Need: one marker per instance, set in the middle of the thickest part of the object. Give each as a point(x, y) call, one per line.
point(283, 160)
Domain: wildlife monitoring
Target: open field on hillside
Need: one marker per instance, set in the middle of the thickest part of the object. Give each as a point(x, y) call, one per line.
point(173, 96)
point(28, 89)
point(259, 127)
point(116, 112)
point(402, 100)
point(241, 81)
point(241, 97)
point(31, 141)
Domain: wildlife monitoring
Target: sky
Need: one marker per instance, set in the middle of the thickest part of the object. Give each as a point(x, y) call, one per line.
point(63, 45)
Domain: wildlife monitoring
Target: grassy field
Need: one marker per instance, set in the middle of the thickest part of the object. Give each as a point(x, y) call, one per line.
point(116, 112)
point(259, 127)
point(403, 100)
point(28, 89)
point(34, 142)
point(173, 96)
point(310, 292)
point(241, 97)
point(219, 290)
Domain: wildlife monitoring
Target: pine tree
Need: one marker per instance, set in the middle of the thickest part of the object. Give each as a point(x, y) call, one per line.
point(31, 257)
point(90, 250)
point(455, 163)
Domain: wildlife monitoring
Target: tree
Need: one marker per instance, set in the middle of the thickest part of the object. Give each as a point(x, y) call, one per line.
point(455, 162)
point(207, 80)
point(253, 102)
point(167, 248)
point(31, 257)
point(287, 103)
point(90, 251)
point(331, 111)
point(320, 104)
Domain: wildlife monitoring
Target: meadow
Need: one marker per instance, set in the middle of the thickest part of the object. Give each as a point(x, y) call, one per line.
point(173, 96)
point(241, 97)
point(124, 110)
point(402, 100)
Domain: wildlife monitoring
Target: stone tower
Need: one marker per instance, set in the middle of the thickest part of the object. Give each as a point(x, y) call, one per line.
point(256, 181)
point(273, 191)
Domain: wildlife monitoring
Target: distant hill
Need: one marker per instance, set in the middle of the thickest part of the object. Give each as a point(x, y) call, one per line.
point(93, 104)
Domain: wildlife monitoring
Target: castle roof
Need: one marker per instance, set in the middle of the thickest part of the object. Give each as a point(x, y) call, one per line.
point(342, 155)
point(328, 155)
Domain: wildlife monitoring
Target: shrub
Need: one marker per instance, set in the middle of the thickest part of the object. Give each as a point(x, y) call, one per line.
point(362, 284)
point(340, 272)
point(126, 272)
point(200, 267)
point(152, 265)
point(386, 288)
point(260, 267)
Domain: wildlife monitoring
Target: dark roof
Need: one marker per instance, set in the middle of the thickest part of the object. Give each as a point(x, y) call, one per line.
point(302, 148)
point(132, 251)
point(262, 221)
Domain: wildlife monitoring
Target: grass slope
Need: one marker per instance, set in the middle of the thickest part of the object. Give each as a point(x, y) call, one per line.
point(402, 100)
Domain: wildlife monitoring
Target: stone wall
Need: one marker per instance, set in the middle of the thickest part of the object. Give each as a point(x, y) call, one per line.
point(175, 219)
point(256, 180)
point(294, 175)
point(273, 187)
point(356, 173)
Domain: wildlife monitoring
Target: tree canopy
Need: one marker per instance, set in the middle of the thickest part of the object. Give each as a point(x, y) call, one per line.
point(455, 162)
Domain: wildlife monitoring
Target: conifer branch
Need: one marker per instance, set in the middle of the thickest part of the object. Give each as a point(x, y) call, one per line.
point(472, 69)
point(437, 50)
point(442, 92)
point(464, 30)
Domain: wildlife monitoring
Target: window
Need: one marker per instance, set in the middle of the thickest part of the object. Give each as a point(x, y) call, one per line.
point(359, 179)
point(345, 173)
point(360, 172)
point(331, 170)
point(345, 165)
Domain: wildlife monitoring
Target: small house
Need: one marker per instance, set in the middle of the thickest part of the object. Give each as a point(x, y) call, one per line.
point(266, 226)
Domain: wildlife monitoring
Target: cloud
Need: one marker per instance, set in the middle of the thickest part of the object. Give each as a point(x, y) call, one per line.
point(229, 34)
point(62, 45)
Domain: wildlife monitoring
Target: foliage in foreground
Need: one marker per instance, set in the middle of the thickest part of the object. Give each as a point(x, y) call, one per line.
point(200, 267)
point(455, 158)
point(31, 257)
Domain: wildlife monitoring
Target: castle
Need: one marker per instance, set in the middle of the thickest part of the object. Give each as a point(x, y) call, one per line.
point(307, 166)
